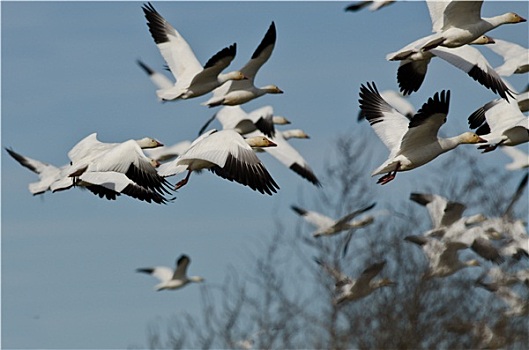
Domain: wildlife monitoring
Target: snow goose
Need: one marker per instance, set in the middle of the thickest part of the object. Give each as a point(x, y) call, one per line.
point(55, 179)
point(123, 169)
point(326, 226)
point(237, 92)
point(192, 79)
point(159, 80)
point(496, 277)
point(90, 148)
point(446, 216)
point(47, 173)
point(516, 240)
point(234, 117)
point(227, 154)
point(414, 142)
point(485, 336)
point(414, 66)
point(289, 156)
point(172, 279)
point(108, 169)
point(515, 57)
point(500, 123)
point(442, 212)
point(397, 101)
point(167, 153)
point(477, 240)
point(442, 257)
point(349, 289)
point(517, 306)
point(449, 225)
point(457, 23)
point(520, 159)
point(294, 134)
point(372, 5)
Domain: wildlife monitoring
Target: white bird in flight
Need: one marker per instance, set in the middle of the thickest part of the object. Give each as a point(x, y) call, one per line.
point(172, 279)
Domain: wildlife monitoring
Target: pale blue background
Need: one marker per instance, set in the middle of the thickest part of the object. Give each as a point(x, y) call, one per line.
point(68, 69)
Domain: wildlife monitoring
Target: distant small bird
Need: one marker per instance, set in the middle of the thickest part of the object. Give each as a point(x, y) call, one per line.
point(241, 91)
point(172, 279)
point(326, 226)
point(520, 159)
point(349, 289)
point(414, 142)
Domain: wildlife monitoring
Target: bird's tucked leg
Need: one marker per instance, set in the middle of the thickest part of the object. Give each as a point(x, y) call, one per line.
point(490, 148)
point(183, 181)
point(389, 176)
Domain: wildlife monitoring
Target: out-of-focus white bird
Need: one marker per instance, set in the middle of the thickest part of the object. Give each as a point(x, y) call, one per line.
point(47, 173)
point(500, 122)
point(234, 117)
point(449, 225)
point(443, 212)
point(227, 154)
point(241, 91)
point(414, 142)
point(520, 159)
point(517, 306)
point(294, 134)
point(496, 277)
point(172, 279)
point(349, 289)
point(515, 57)
point(326, 226)
point(443, 259)
point(192, 79)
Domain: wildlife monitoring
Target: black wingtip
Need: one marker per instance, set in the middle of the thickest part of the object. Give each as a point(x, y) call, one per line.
point(229, 51)
point(145, 67)
point(204, 127)
point(305, 173)
point(438, 103)
point(298, 210)
point(410, 78)
point(416, 239)
point(269, 39)
point(421, 198)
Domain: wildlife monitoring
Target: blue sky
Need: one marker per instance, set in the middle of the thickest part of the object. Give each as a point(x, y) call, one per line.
point(68, 69)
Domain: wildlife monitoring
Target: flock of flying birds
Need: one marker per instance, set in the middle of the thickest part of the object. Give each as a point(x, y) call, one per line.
point(141, 168)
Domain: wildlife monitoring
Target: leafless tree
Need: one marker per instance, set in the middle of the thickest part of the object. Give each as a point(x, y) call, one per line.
point(285, 300)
